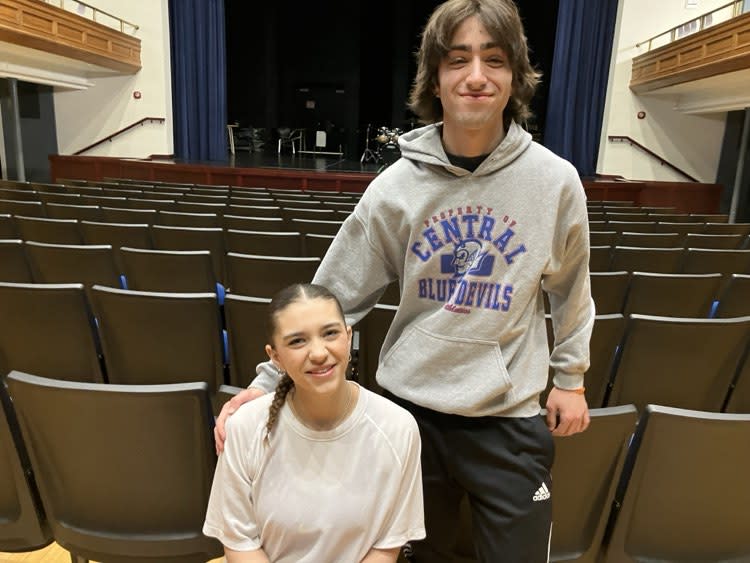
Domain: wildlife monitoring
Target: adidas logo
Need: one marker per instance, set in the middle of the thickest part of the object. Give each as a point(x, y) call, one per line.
point(542, 493)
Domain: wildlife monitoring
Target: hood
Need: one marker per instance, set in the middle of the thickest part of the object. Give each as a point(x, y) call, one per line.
point(425, 145)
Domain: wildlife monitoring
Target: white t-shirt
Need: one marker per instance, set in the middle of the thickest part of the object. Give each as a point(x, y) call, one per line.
point(318, 496)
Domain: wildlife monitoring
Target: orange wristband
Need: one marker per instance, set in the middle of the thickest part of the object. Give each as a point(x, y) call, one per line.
point(579, 391)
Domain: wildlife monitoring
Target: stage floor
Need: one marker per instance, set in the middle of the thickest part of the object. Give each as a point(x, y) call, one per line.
point(270, 160)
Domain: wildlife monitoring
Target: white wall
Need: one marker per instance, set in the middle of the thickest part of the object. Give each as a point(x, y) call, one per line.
point(690, 142)
point(85, 116)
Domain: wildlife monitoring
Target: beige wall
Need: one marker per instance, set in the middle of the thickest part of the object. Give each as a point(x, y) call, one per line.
point(85, 116)
point(690, 142)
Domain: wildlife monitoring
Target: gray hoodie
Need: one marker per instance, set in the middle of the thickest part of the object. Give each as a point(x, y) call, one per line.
point(472, 252)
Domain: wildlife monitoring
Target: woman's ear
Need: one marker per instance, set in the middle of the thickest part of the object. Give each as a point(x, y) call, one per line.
point(273, 355)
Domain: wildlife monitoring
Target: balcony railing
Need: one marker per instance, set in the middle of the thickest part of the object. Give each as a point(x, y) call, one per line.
point(95, 14)
point(719, 15)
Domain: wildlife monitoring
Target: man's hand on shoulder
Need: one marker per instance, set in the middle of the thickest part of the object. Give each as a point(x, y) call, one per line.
point(229, 408)
point(570, 408)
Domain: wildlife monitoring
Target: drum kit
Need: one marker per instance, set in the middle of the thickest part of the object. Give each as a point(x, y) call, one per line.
point(386, 151)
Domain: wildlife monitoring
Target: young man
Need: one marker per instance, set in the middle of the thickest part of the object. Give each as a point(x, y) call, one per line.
point(475, 221)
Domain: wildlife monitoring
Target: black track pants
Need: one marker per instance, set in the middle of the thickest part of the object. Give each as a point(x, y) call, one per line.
point(503, 466)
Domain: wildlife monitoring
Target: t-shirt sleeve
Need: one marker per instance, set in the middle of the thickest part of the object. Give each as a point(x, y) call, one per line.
point(407, 517)
point(230, 517)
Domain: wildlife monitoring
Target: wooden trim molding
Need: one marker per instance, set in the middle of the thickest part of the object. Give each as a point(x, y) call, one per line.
point(44, 27)
point(719, 49)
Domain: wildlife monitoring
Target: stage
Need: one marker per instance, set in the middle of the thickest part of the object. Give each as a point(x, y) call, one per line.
point(287, 161)
point(326, 172)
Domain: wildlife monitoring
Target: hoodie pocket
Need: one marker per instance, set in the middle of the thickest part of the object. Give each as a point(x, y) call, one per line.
point(452, 374)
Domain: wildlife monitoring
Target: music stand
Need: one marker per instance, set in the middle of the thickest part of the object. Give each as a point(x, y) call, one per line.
point(369, 154)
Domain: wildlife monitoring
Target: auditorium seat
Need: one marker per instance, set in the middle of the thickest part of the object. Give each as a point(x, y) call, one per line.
point(124, 472)
point(608, 290)
point(317, 214)
point(372, 331)
point(340, 206)
point(55, 231)
point(633, 216)
point(201, 208)
point(247, 223)
point(727, 229)
point(631, 226)
point(679, 362)
point(710, 217)
point(14, 266)
point(7, 227)
point(700, 240)
point(54, 197)
point(67, 263)
point(193, 238)
point(23, 524)
point(244, 210)
point(671, 218)
point(672, 295)
point(603, 238)
point(80, 212)
point(265, 243)
point(182, 219)
point(117, 235)
point(316, 245)
point(734, 299)
point(606, 337)
point(391, 295)
point(19, 195)
point(102, 200)
point(650, 240)
point(739, 396)
point(600, 258)
point(48, 329)
point(684, 492)
point(157, 338)
point(681, 228)
point(246, 336)
point(639, 259)
point(315, 227)
point(132, 216)
point(143, 202)
point(582, 493)
point(205, 196)
point(708, 260)
point(264, 276)
point(25, 208)
point(175, 271)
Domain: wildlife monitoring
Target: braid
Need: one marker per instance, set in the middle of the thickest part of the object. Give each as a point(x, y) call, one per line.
point(282, 389)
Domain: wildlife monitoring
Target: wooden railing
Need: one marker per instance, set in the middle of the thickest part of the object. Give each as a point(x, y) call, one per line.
point(94, 11)
point(720, 14)
point(120, 132)
point(662, 160)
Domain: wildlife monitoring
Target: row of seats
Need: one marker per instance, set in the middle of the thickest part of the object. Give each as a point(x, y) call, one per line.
point(152, 270)
point(670, 227)
point(651, 488)
point(123, 336)
point(669, 260)
point(671, 295)
point(143, 210)
point(669, 240)
point(57, 230)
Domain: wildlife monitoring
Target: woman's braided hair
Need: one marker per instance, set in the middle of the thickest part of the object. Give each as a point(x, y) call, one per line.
point(284, 298)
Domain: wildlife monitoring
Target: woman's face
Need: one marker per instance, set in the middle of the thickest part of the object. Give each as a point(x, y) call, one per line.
point(312, 343)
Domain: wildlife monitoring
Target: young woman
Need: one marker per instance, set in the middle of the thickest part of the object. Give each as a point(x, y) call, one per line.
point(322, 470)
